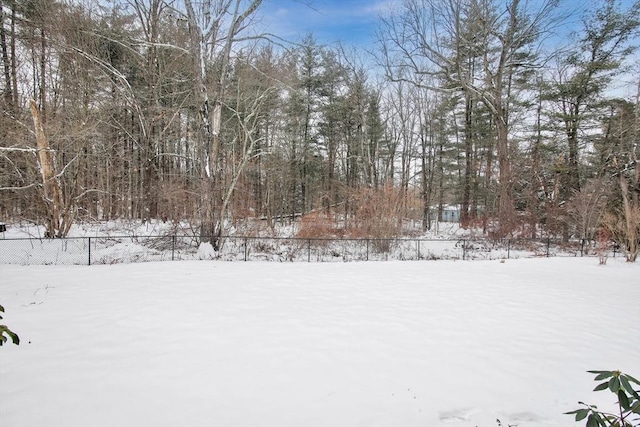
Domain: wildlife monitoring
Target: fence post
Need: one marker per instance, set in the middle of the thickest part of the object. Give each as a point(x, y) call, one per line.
point(308, 250)
point(89, 250)
point(464, 249)
point(581, 248)
point(173, 247)
point(508, 248)
point(245, 249)
point(367, 249)
point(548, 245)
point(418, 248)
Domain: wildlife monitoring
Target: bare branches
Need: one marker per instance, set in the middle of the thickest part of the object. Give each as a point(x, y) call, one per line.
point(25, 187)
point(19, 150)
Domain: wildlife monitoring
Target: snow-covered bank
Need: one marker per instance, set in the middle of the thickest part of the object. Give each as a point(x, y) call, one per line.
point(394, 343)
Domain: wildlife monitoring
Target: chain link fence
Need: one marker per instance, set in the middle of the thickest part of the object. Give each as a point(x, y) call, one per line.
point(130, 249)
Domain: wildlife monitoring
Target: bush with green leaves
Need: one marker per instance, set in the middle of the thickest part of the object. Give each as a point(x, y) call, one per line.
point(628, 411)
point(4, 329)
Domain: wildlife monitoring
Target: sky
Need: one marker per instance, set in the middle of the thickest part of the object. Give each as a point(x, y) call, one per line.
point(353, 22)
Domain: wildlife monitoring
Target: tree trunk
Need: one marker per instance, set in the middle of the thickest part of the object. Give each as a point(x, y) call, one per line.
point(506, 209)
point(8, 91)
point(631, 220)
point(468, 154)
point(57, 223)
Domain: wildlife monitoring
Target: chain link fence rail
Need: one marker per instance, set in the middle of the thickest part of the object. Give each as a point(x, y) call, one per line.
point(130, 249)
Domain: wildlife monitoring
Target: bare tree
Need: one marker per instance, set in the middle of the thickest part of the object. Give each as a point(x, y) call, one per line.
point(587, 207)
point(435, 38)
point(61, 212)
point(621, 144)
point(585, 72)
point(215, 27)
point(8, 48)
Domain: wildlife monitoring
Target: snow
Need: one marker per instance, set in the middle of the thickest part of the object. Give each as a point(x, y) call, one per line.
point(415, 343)
point(125, 249)
point(115, 242)
point(206, 251)
point(248, 227)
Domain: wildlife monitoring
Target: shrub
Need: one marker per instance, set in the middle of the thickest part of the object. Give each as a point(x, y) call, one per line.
point(316, 225)
point(628, 402)
point(624, 227)
point(4, 329)
point(377, 213)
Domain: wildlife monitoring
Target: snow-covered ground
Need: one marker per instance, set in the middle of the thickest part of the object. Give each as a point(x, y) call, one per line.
point(206, 343)
point(250, 227)
point(123, 242)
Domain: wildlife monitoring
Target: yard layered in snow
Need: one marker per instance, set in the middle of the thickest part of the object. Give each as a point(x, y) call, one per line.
point(294, 344)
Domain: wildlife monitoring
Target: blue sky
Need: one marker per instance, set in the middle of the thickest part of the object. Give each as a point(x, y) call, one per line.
point(330, 21)
point(353, 22)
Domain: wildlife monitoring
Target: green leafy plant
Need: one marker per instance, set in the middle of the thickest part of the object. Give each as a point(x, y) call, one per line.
point(622, 385)
point(4, 329)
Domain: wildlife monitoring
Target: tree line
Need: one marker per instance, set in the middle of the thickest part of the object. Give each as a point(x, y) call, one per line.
point(183, 110)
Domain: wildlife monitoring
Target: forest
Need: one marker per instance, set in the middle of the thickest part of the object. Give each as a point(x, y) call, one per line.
point(187, 110)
